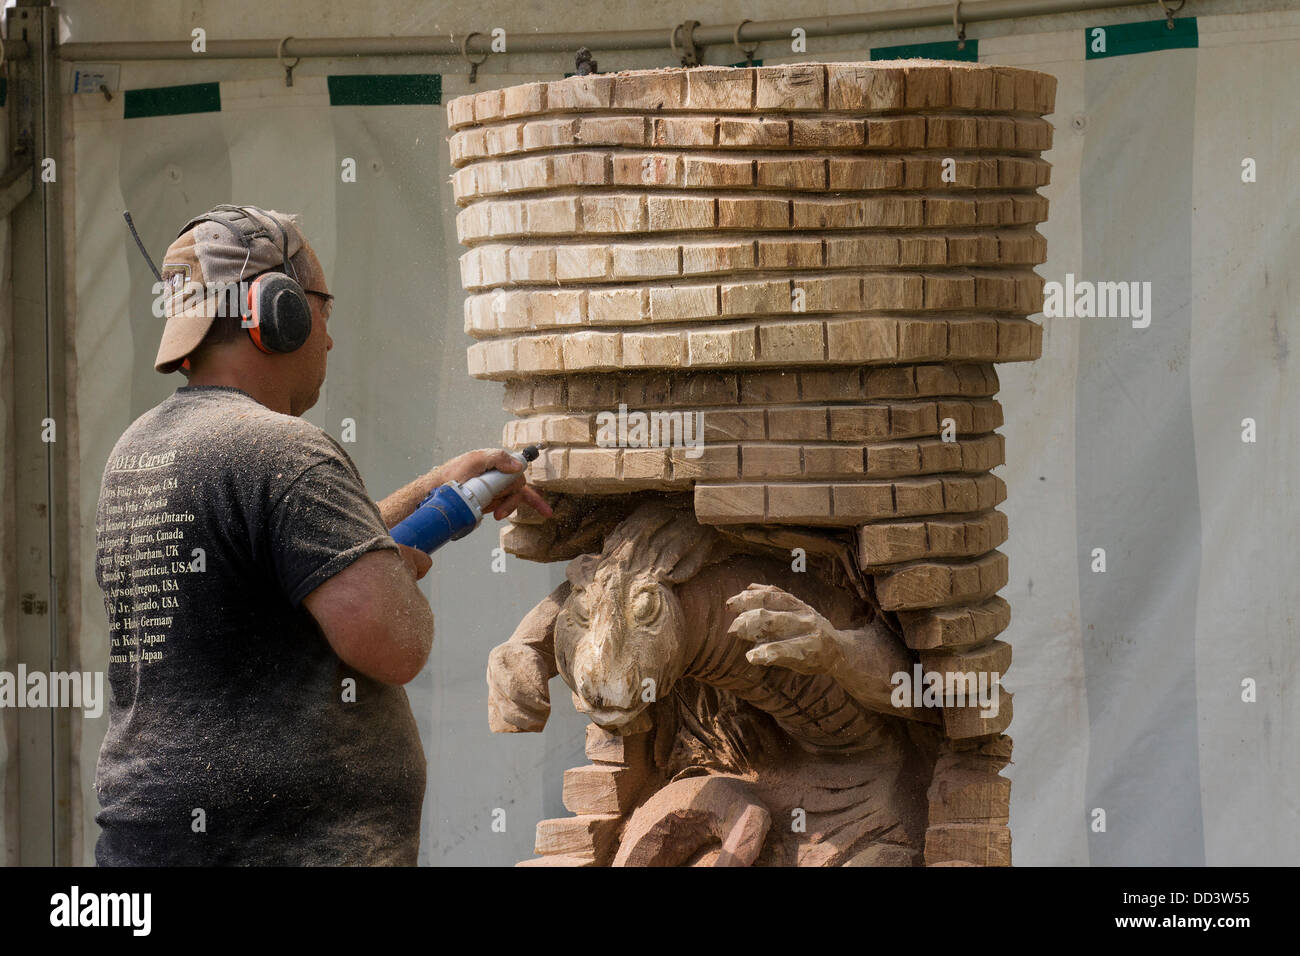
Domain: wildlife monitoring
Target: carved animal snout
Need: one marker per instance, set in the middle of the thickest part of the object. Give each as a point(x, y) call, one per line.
point(599, 685)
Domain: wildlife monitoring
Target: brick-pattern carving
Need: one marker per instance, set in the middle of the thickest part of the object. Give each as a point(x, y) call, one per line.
point(799, 278)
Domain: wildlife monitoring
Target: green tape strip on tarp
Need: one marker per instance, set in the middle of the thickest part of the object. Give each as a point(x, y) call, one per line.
point(172, 100)
point(1123, 39)
point(388, 89)
point(943, 50)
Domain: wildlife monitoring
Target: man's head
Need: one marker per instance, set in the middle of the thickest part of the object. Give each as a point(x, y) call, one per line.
point(206, 274)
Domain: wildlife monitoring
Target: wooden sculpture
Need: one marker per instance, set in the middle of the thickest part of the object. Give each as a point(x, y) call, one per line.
point(753, 314)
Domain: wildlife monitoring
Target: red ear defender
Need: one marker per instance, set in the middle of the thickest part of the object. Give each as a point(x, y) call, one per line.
point(279, 316)
point(252, 321)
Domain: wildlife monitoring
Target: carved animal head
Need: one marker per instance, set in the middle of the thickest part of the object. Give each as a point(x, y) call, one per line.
point(621, 642)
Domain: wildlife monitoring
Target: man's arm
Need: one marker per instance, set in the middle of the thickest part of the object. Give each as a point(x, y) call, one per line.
point(334, 557)
point(374, 616)
point(401, 503)
point(399, 506)
point(371, 612)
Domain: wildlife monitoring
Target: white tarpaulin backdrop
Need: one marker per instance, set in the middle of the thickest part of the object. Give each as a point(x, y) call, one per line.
point(1128, 683)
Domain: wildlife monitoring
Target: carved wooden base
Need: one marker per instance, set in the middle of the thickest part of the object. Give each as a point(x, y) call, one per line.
point(711, 821)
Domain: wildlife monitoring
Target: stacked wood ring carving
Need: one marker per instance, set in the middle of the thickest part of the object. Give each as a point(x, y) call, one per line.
point(823, 260)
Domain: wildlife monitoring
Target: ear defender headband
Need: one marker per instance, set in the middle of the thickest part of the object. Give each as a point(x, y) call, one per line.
point(278, 316)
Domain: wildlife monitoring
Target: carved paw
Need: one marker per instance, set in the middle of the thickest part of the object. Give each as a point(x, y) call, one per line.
point(519, 700)
point(696, 821)
point(787, 632)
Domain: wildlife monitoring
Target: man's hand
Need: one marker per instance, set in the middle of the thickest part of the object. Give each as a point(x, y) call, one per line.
point(474, 463)
point(416, 560)
point(401, 503)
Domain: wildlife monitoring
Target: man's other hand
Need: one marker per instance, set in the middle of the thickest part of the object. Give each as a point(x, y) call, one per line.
point(474, 463)
point(416, 560)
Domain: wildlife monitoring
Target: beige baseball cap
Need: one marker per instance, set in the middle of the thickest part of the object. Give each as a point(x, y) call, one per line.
point(202, 269)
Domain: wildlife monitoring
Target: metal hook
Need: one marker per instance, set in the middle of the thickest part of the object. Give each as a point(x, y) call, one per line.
point(1169, 14)
point(288, 67)
point(748, 51)
point(473, 64)
point(691, 54)
point(959, 26)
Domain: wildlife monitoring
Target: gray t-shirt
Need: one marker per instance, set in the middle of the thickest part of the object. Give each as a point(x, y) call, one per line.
point(236, 735)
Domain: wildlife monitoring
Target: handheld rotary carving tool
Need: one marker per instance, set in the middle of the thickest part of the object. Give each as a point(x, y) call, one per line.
point(453, 510)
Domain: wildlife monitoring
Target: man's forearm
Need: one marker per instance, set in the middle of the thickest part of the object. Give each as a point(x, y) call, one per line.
point(402, 502)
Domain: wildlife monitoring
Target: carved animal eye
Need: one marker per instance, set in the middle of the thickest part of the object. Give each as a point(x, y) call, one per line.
point(646, 605)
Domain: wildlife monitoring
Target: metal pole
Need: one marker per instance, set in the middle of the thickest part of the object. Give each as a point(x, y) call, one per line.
point(43, 573)
point(722, 34)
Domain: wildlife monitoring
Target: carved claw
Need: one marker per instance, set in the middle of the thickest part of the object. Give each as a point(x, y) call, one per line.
point(788, 632)
point(520, 670)
point(519, 700)
point(692, 814)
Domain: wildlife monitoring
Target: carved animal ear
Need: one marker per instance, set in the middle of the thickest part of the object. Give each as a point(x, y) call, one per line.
point(582, 569)
point(665, 540)
point(637, 528)
point(665, 546)
point(707, 549)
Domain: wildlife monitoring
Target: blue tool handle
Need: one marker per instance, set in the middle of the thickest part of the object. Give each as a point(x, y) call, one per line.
point(441, 517)
point(453, 510)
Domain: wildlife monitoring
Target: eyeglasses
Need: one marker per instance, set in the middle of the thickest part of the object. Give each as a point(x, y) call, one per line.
point(329, 302)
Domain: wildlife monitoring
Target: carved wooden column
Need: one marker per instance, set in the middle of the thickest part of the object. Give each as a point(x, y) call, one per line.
point(817, 265)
